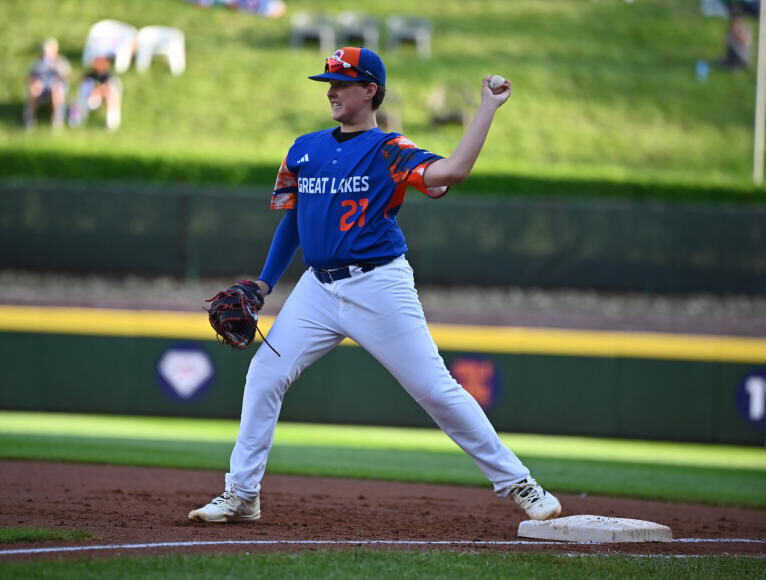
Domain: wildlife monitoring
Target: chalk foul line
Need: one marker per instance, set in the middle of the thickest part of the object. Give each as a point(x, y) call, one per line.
point(147, 546)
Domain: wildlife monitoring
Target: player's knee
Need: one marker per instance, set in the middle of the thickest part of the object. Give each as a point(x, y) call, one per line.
point(268, 373)
point(437, 394)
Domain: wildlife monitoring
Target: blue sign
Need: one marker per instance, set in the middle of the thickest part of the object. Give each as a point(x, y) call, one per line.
point(479, 376)
point(185, 371)
point(751, 398)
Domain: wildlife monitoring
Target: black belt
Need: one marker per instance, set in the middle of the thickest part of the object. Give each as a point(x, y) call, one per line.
point(329, 276)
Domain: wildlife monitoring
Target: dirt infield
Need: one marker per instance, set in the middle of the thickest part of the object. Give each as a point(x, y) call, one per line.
point(123, 506)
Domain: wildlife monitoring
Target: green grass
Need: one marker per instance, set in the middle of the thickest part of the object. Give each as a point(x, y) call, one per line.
point(713, 474)
point(605, 96)
point(397, 438)
point(392, 564)
point(716, 486)
point(724, 475)
point(32, 534)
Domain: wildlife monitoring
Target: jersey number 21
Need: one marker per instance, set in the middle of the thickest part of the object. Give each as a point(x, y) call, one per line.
point(353, 216)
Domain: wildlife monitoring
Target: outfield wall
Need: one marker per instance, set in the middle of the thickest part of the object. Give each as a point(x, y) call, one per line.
point(632, 245)
point(606, 384)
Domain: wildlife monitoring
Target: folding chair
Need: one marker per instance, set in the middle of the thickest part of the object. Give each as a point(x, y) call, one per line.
point(111, 38)
point(161, 41)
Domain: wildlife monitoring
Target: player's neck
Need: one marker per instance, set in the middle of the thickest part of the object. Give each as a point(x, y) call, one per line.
point(364, 124)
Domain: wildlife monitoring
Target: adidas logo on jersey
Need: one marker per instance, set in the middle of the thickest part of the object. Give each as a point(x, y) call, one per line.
point(304, 159)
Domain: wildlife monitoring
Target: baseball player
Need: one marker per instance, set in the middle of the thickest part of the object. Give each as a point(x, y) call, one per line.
point(341, 190)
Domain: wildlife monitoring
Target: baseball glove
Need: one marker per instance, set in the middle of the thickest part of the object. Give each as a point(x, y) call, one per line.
point(233, 314)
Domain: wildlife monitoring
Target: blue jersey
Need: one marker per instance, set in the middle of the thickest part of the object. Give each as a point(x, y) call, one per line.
point(348, 194)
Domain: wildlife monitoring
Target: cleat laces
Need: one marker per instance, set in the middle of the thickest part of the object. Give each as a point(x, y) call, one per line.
point(527, 493)
point(223, 498)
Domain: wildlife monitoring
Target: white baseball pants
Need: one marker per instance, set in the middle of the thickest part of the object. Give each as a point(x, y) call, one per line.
point(381, 311)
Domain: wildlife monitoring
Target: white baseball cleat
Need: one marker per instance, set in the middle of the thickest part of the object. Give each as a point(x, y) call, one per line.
point(228, 507)
point(533, 499)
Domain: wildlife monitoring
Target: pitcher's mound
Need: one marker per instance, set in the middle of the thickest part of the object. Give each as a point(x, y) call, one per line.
point(595, 529)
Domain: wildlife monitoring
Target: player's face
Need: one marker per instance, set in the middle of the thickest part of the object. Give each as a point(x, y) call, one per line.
point(349, 101)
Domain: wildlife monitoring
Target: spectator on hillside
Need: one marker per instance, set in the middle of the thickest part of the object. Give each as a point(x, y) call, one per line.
point(267, 8)
point(100, 86)
point(47, 83)
point(739, 35)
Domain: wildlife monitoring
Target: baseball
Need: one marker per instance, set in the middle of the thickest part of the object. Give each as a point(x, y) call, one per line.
point(496, 81)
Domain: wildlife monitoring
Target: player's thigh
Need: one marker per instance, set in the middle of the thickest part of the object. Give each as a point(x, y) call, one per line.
point(304, 330)
point(382, 304)
point(414, 360)
point(396, 333)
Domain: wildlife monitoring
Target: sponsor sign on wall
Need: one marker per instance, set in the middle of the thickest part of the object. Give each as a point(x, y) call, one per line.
point(185, 371)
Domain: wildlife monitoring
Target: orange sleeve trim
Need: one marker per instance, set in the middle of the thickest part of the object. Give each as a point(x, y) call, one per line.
point(417, 180)
point(285, 194)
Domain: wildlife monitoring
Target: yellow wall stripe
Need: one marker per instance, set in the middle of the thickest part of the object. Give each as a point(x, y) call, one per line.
point(597, 343)
point(110, 322)
point(466, 338)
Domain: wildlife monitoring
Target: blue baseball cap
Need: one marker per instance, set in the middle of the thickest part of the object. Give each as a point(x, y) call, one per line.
point(353, 63)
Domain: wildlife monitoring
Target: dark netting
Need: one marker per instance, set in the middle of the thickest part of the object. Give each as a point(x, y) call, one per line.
point(554, 243)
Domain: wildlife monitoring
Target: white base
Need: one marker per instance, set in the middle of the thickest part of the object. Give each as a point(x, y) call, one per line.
point(595, 529)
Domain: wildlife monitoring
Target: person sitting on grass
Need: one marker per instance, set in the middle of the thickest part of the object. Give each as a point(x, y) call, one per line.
point(100, 86)
point(47, 84)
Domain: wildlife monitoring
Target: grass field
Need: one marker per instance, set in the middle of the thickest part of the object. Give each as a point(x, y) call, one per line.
point(712, 474)
point(658, 470)
point(395, 565)
point(605, 95)
point(32, 534)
